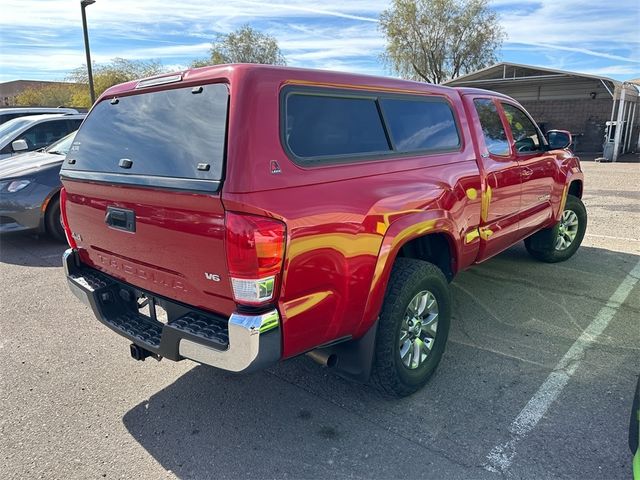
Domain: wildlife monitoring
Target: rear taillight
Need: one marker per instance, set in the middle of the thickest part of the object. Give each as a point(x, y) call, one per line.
point(65, 221)
point(255, 252)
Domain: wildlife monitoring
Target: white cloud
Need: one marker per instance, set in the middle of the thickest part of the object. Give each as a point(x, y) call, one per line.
point(160, 29)
point(594, 26)
point(171, 51)
point(121, 14)
point(624, 71)
point(585, 51)
point(45, 37)
point(332, 12)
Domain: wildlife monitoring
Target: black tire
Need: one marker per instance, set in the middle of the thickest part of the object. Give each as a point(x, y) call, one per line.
point(408, 278)
point(53, 222)
point(634, 421)
point(542, 245)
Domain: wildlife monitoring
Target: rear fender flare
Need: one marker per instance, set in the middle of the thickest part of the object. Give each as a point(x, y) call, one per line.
point(398, 234)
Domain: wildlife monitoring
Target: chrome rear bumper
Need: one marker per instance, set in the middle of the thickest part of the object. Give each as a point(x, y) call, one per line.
point(247, 345)
point(240, 343)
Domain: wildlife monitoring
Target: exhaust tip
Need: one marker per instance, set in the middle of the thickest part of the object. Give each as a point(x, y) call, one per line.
point(324, 358)
point(332, 360)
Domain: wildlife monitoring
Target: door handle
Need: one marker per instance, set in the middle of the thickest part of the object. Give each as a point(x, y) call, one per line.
point(526, 172)
point(121, 219)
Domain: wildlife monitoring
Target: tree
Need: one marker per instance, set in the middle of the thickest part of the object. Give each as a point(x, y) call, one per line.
point(117, 71)
point(245, 45)
point(53, 95)
point(436, 40)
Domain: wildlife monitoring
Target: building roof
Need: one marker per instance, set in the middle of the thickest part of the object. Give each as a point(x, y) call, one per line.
point(33, 83)
point(10, 90)
point(516, 73)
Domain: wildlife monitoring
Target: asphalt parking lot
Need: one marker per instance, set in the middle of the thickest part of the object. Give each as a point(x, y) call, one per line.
point(537, 380)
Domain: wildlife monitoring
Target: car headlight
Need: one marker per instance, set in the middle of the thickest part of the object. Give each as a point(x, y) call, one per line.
point(17, 185)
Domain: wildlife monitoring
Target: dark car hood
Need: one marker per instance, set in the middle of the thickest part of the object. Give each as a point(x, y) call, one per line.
point(28, 163)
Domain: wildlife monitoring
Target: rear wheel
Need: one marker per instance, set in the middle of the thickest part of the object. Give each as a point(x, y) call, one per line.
point(412, 328)
point(560, 242)
point(53, 220)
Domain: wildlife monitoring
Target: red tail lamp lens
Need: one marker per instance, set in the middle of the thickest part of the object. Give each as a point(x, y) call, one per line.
point(255, 252)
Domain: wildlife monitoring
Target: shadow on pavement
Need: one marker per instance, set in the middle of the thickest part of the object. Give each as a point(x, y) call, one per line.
point(31, 250)
point(513, 320)
point(211, 424)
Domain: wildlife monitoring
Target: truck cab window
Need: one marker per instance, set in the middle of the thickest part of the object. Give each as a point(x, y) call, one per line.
point(495, 137)
point(525, 134)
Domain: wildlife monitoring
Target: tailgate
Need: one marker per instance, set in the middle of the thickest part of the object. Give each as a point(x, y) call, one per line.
point(143, 180)
point(176, 249)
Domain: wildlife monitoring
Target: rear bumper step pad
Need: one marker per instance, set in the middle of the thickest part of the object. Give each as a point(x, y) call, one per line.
point(239, 343)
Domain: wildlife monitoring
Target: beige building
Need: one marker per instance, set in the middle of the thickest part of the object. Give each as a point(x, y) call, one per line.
point(591, 107)
point(10, 90)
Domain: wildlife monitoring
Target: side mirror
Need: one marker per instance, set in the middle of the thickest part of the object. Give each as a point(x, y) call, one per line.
point(19, 145)
point(558, 139)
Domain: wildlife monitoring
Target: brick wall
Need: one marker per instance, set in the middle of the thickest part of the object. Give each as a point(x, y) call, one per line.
point(586, 117)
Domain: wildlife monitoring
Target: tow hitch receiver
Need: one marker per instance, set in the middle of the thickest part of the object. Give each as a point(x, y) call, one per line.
point(139, 353)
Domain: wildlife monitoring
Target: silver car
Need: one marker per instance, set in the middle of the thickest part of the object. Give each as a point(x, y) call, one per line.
point(26, 134)
point(29, 190)
point(7, 114)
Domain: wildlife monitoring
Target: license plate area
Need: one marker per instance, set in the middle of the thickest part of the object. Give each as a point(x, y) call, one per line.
point(151, 307)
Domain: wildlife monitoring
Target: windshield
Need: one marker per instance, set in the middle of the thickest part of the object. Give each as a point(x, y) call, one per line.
point(62, 146)
point(7, 128)
point(178, 133)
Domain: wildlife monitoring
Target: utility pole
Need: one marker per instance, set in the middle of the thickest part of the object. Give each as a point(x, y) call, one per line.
point(83, 5)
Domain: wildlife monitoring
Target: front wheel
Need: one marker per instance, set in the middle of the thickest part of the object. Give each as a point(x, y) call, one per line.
point(560, 242)
point(412, 328)
point(53, 221)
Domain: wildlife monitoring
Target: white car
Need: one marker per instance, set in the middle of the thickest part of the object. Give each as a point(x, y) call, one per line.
point(7, 114)
point(26, 134)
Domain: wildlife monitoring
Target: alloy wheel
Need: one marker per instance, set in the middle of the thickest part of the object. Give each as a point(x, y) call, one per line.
point(567, 230)
point(418, 329)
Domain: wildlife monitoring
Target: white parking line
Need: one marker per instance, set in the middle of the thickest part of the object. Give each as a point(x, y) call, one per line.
point(500, 457)
point(626, 239)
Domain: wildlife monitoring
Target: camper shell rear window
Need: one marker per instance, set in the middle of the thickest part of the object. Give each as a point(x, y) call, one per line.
point(171, 138)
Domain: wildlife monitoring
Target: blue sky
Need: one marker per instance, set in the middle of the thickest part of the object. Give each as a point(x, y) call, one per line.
point(42, 39)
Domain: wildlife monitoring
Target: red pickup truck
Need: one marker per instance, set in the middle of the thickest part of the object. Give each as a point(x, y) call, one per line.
point(239, 215)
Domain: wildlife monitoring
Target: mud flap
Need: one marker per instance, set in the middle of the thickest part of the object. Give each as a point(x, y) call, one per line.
point(354, 357)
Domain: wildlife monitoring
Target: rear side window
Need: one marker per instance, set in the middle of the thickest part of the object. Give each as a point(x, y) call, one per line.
point(417, 125)
point(178, 133)
point(326, 126)
point(347, 126)
point(495, 137)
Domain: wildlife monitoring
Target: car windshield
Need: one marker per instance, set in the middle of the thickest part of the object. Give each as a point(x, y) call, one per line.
point(62, 146)
point(7, 128)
